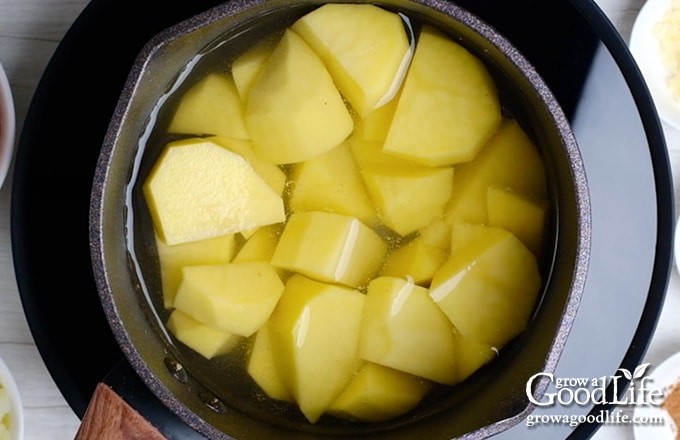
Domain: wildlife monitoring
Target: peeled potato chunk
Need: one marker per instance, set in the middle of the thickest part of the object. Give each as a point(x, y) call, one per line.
point(463, 233)
point(374, 126)
point(211, 106)
point(294, 111)
point(417, 260)
point(370, 156)
point(217, 250)
point(247, 67)
point(378, 393)
point(209, 342)
point(259, 246)
point(402, 328)
point(198, 189)
point(407, 200)
point(330, 247)
point(365, 48)
point(331, 182)
point(314, 336)
point(448, 107)
point(519, 213)
point(235, 297)
point(368, 138)
point(489, 287)
point(511, 159)
point(437, 233)
point(270, 173)
point(262, 366)
point(471, 355)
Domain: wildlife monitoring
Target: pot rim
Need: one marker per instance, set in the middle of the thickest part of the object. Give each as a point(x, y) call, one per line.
point(102, 179)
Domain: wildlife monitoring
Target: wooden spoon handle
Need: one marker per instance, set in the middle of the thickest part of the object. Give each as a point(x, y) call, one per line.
point(109, 417)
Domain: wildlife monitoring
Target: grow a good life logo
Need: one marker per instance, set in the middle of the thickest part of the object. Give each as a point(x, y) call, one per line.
point(587, 391)
point(625, 389)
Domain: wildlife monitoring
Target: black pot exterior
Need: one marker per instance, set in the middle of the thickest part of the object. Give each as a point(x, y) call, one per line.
point(490, 402)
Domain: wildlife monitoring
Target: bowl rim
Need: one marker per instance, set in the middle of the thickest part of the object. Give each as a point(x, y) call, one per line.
point(644, 47)
point(8, 383)
point(7, 125)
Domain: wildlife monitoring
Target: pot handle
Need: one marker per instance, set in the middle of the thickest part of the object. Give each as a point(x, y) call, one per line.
point(109, 417)
point(123, 407)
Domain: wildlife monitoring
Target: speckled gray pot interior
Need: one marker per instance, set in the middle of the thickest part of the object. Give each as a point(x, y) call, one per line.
point(491, 401)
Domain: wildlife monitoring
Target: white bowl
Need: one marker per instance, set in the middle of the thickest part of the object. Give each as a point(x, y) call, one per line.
point(654, 423)
point(16, 410)
point(7, 126)
point(676, 245)
point(644, 46)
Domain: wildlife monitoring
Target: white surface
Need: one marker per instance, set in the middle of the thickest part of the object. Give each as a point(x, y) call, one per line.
point(29, 32)
point(7, 125)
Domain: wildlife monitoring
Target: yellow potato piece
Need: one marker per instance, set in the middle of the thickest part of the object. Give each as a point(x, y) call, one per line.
point(198, 189)
point(416, 260)
point(331, 182)
point(519, 213)
point(374, 126)
point(209, 342)
point(236, 297)
point(471, 355)
point(368, 138)
point(314, 337)
point(211, 106)
point(294, 111)
point(511, 159)
point(260, 246)
point(370, 157)
point(217, 250)
point(402, 328)
point(448, 107)
point(437, 233)
point(489, 287)
point(330, 247)
point(407, 200)
point(463, 233)
point(247, 233)
point(247, 67)
point(270, 173)
point(263, 368)
point(377, 394)
point(366, 49)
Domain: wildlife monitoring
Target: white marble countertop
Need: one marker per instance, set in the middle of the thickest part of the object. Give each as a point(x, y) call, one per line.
point(30, 30)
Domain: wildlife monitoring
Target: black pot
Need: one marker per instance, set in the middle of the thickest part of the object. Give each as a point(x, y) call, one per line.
point(491, 401)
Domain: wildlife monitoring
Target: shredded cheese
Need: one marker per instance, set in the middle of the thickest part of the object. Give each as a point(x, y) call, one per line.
point(667, 32)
